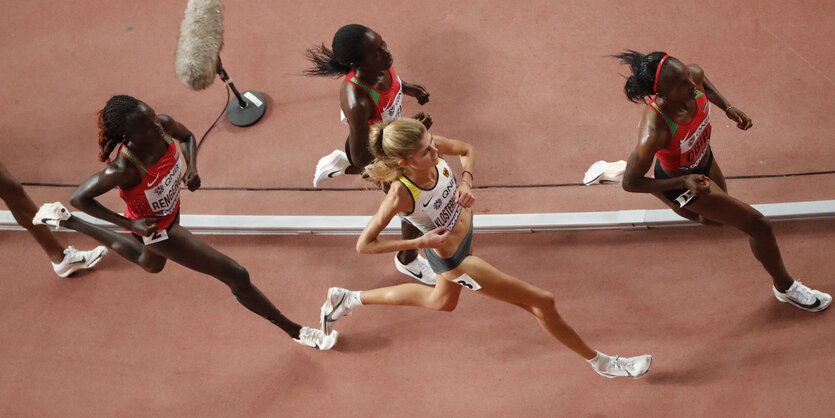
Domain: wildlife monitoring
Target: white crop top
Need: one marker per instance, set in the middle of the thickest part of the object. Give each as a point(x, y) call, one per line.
point(435, 207)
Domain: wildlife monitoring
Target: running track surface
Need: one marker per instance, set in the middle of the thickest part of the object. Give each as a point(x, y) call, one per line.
point(531, 88)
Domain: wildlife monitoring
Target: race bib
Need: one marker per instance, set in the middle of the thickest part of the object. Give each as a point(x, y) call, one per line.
point(157, 237)
point(393, 110)
point(164, 193)
point(684, 198)
point(468, 282)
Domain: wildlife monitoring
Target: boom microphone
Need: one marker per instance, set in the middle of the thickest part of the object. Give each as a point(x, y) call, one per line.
point(198, 60)
point(201, 37)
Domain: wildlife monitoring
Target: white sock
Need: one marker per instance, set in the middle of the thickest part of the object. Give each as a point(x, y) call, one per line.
point(353, 299)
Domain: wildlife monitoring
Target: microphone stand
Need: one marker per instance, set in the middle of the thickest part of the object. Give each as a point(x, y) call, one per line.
point(245, 109)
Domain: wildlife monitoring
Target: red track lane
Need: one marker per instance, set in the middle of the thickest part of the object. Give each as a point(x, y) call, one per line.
point(529, 85)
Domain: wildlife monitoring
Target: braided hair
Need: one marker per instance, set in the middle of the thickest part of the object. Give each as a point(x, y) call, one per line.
point(640, 84)
point(346, 49)
point(113, 123)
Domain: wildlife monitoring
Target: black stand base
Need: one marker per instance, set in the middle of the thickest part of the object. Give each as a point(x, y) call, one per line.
point(254, 110)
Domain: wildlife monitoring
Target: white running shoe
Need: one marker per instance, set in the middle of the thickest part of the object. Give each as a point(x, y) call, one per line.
point(605, 171)
point(75, 260)
point(331, 165)
point(594, 172)
point(312, 337)
point(51, 214)
point(418, 269)
point(803, 297)
point(335, 307)
point(614, 172)
point(634, 367)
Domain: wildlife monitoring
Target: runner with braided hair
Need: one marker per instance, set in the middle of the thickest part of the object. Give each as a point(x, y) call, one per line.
point(148, 170)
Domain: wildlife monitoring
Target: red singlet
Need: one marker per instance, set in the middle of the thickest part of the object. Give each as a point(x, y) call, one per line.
point(689, 141)
point(158, 193)
point(388, 105)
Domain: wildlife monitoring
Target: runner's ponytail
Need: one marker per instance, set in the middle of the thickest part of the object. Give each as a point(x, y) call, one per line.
point(641, 84)
point(346, 50)
point(389, 143)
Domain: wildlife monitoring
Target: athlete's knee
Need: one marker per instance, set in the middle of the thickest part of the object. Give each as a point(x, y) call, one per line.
point(759, 227)
point(764, 229)
point(76, 200)
point(448, 305)
point(542, 304)
point(152, 265)
point(545, 300)
point(444, 303)
point(237, 277)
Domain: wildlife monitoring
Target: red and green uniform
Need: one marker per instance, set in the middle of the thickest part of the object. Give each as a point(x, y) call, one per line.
point(388, 105)
point(689, 142)
point(158, 193)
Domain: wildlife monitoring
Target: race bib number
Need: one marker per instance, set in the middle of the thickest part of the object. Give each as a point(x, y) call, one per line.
point(684, 198)
point(157, 237)
point(468, 282)
point(164, 193)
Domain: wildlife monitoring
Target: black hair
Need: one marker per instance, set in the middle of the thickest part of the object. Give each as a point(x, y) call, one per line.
point(640, 84)
point(346, 49)
point(112, 123)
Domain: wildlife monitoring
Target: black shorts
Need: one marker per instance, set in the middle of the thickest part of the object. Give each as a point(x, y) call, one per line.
point(176, 221)
point(682, 197)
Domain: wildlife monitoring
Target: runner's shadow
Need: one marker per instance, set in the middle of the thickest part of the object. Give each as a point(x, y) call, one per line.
point(690, 377)
point(724, 353)
point(302, 368)
point(362, 342)
point(778, 314)
point(81, 274)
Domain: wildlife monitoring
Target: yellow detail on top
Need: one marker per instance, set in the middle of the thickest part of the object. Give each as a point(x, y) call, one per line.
point(411, 186)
